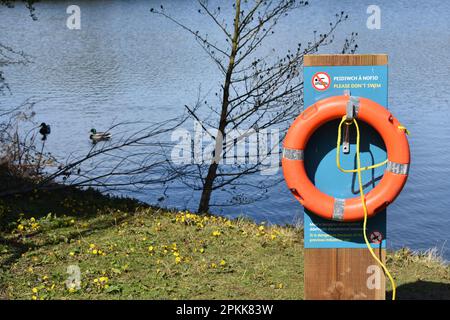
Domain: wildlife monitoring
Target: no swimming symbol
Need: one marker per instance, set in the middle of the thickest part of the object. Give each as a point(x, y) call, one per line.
point(376, 237)
point(321, 81)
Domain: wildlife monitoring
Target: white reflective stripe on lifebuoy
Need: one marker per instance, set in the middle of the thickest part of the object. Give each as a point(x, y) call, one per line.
point(293, 154)
point(338, 209)
point(397, 168)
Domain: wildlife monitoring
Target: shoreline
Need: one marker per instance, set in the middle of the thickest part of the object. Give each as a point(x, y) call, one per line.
point(125, 249)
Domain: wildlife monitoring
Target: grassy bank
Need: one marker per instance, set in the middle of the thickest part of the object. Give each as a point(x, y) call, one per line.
point(126, 250)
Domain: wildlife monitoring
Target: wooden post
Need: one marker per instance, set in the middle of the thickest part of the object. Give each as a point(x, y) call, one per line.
point(343, 273)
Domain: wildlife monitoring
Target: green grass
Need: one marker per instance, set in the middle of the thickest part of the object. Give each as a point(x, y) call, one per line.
point(127, 250)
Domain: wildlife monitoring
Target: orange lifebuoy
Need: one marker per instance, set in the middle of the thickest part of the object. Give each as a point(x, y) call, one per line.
point(351, 209)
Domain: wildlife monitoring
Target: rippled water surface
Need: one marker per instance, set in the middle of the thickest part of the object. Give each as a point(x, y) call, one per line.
point(126, 64)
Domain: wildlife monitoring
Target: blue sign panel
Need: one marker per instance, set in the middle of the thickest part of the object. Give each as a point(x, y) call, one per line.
point(320, 154)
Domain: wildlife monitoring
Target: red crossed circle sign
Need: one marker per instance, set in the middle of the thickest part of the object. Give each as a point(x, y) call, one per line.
point(321, 81)
point(376, 237)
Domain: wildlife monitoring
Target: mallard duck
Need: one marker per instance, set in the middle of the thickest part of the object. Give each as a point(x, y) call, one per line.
point(44, 131)
point(99, 136)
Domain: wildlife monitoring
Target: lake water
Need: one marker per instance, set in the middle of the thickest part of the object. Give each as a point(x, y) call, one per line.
point(126, 64)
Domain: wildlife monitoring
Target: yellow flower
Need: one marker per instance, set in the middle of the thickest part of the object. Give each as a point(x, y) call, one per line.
point(32, 219)
point(216, 233)
point(94, 251)
point(261, 228)
point(34, 297)
point(44, 278)
point(202, 250)
point(177, 260)
point(222, 262)
point(92, 246)
point(20, 227)
point(72, 221)
point(72, 289)
point(95, 280)
point(176, 254)
point(34, 290)
point(273, 237)
point(71, 253)
point(213, 265)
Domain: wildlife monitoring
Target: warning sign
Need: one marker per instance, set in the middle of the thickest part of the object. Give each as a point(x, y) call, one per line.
point(321, 81)
point(376, 237)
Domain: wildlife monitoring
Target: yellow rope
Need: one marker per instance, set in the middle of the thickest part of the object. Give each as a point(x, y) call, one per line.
point(361, 192)
point(404, 129)
point(338, 155)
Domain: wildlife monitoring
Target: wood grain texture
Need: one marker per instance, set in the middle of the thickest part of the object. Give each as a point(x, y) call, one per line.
point(343, 274)
point(345, 60)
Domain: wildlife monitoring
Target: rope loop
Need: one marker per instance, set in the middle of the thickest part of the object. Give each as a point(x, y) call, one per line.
point(361, 191)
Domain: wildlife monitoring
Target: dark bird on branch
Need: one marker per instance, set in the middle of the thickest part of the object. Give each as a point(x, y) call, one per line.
point(45, 130)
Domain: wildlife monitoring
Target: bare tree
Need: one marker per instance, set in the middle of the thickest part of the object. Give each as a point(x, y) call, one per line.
point(9, 56)
point(257, 92)
point(132, 159)
point(9, 116)
point(29, 4)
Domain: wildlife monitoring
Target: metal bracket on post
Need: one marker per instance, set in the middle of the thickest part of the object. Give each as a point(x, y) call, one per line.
point(352, 108)
point(351, 113)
